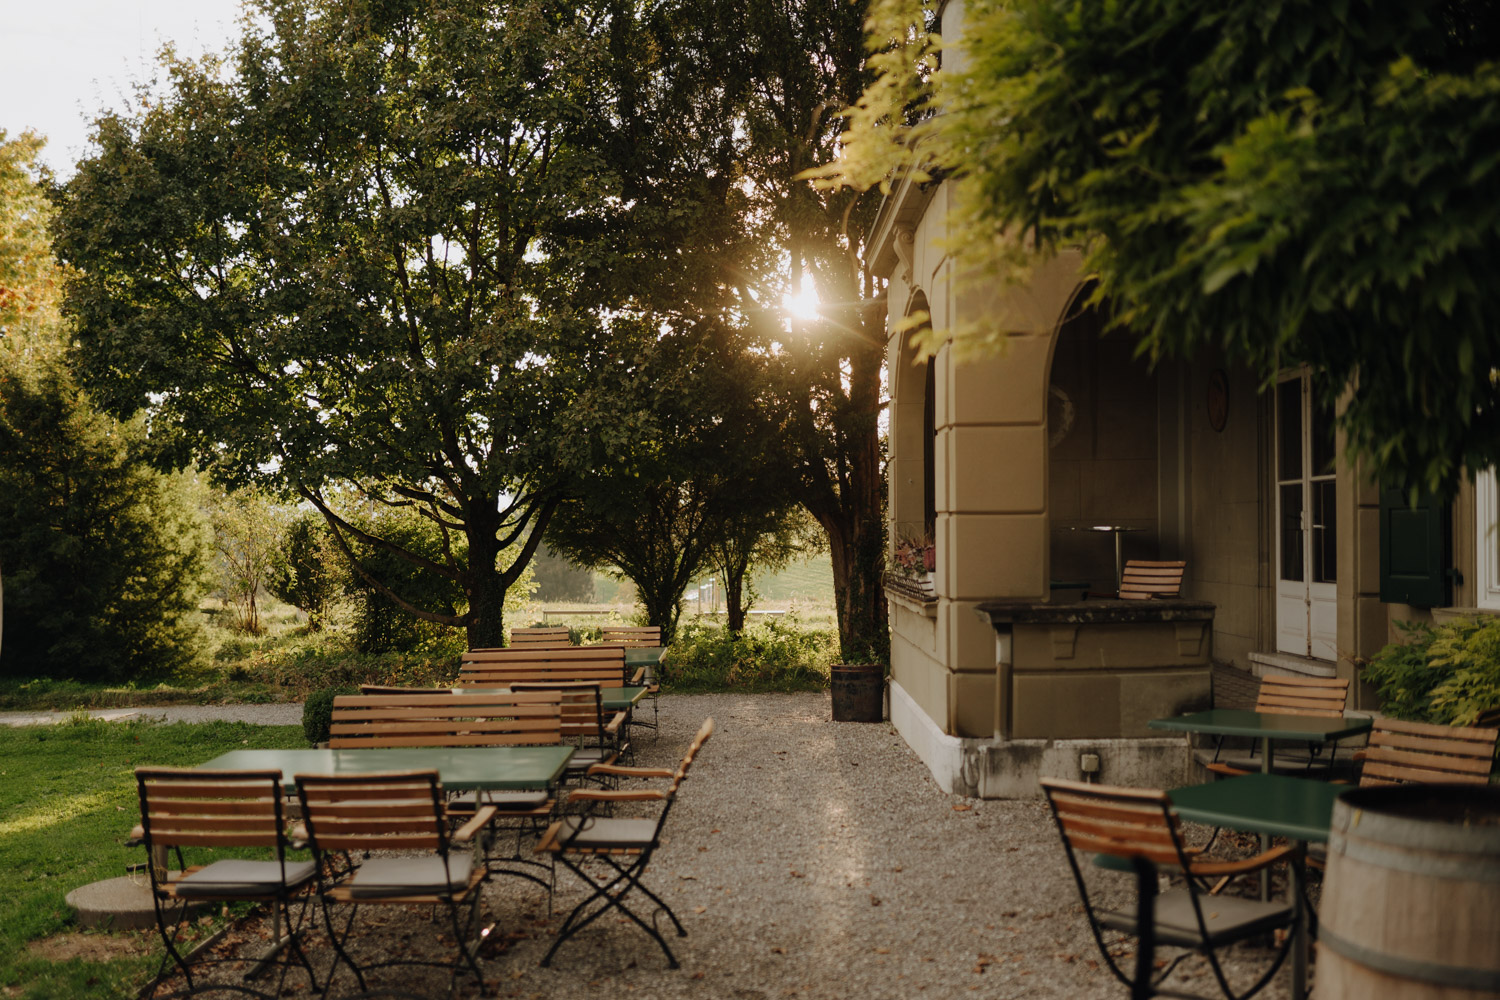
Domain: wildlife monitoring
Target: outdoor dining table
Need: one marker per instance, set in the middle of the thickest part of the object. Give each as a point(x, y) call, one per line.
point(1266, 727)
point(1272, 805)
point(526, 768)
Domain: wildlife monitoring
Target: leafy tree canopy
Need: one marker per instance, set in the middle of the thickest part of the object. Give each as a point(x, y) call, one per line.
point(1288, 181)
point(353, 252)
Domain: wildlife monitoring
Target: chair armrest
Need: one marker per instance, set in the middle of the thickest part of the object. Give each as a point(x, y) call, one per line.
point(137, 836)
point(638, 676)
point(600, 795)
point(615, 723)
point(1228, 769)
point(1209, 868)
point(482, 817)
point(620, 771)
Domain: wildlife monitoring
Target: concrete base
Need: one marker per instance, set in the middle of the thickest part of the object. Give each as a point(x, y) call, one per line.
point(1010, 769)
point(119, 904)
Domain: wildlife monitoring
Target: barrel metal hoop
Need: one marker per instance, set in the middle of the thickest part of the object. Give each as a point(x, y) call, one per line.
point(1456, 867)
point(1409, 968)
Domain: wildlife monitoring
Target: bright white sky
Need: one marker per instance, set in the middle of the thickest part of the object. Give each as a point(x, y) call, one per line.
point(62, 61)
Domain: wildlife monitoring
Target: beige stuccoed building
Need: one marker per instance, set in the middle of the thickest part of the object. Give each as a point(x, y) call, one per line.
point(1295, 563)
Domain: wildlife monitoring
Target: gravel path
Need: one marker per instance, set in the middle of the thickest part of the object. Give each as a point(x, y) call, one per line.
point(807, 859)
point(260, 715)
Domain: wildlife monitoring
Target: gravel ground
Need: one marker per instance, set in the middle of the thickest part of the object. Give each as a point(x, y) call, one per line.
point(806, 859)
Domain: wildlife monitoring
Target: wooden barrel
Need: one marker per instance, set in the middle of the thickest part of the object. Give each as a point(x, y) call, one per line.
point(858, 692)
point(1411, 903)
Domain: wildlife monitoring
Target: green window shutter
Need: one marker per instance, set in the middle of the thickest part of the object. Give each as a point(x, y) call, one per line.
point(1413, 550)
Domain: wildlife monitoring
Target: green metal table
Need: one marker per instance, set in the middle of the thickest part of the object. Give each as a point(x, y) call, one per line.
point(458, 768)
point(1271, 805)
point(612, 699)
point(1266, 727)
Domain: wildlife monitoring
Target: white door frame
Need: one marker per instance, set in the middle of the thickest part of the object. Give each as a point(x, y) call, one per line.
point(1306, 533)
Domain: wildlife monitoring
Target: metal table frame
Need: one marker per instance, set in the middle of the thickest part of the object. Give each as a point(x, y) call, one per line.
point(1271, 805)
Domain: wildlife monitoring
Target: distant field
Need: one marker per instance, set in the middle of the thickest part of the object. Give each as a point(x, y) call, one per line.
point(805, 588)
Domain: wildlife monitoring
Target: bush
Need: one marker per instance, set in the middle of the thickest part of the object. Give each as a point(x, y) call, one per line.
point(769, 656)
point(317, 713)
point(1446, 674)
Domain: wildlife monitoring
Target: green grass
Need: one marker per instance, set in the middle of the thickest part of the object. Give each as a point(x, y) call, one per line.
point(67, 802)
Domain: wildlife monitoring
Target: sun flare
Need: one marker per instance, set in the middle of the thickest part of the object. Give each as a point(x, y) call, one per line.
point(802, 305)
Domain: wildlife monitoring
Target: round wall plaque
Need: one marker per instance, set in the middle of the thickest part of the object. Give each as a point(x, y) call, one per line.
point(1218, 399)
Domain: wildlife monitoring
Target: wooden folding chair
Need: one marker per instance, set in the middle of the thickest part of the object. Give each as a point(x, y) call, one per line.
point(1417, 752)
point(1144, 579)
point(1278, 695)
point(598, 737)
point(638, 637)
point(1139, 826)
point(349, 815)
point(624, 844)
point(540, 635)
point(501, 667)
point(214, 809)
point(490, 718)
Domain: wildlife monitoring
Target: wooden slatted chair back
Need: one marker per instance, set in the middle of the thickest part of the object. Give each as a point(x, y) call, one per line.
point(704, 732)
point(1143, 579)
point(603, 664)
point(582, 717)
point(182, 807)
point(544, 635)
point(1322, 696)
point(373, 812)
point(1405, 752)
point(633, 636)
point(1124, 822)
point(488, 719)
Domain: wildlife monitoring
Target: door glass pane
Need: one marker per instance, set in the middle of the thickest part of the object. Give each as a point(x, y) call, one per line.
point(1323, 452)
point(1289, 430)
point(1324, 533)
point(1291, 532)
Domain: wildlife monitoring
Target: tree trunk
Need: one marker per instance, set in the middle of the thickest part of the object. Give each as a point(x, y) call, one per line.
point(487, 608)
point(734, 598)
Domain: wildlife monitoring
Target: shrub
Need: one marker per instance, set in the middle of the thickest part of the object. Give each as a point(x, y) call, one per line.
point(769, 656)
point(1447, 675)
point(317, 713)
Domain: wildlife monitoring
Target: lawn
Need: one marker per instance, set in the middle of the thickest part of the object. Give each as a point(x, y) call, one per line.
point(67, 802)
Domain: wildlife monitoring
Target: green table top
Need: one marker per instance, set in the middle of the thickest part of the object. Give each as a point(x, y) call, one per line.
point(614, 699)
point(1262, 803)
point(1265, 725)
point(461, 768)
point(643, 656)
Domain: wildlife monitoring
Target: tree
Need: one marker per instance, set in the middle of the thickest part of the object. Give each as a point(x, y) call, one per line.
point(344, 257)
point(758, 538)
point(247, 534)
point(560, 579)
point(306, 574)
point(1287, 181)
point(104, 556)
point(725, 107)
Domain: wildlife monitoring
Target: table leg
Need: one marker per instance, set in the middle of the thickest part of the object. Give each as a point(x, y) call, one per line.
point(1265, 839)
point(1299, 927)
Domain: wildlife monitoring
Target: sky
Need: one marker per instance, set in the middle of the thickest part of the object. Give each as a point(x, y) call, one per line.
point(62, 61)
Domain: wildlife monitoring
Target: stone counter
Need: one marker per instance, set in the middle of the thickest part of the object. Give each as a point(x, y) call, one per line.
point(1098, 669)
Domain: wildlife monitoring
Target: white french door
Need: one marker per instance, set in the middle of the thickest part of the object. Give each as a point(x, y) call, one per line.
point(1306, 529)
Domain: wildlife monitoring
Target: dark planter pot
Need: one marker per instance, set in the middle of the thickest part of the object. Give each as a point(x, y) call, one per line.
point(858, 691)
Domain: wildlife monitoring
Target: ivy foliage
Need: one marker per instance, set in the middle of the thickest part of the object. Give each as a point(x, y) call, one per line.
point(1285, 181)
